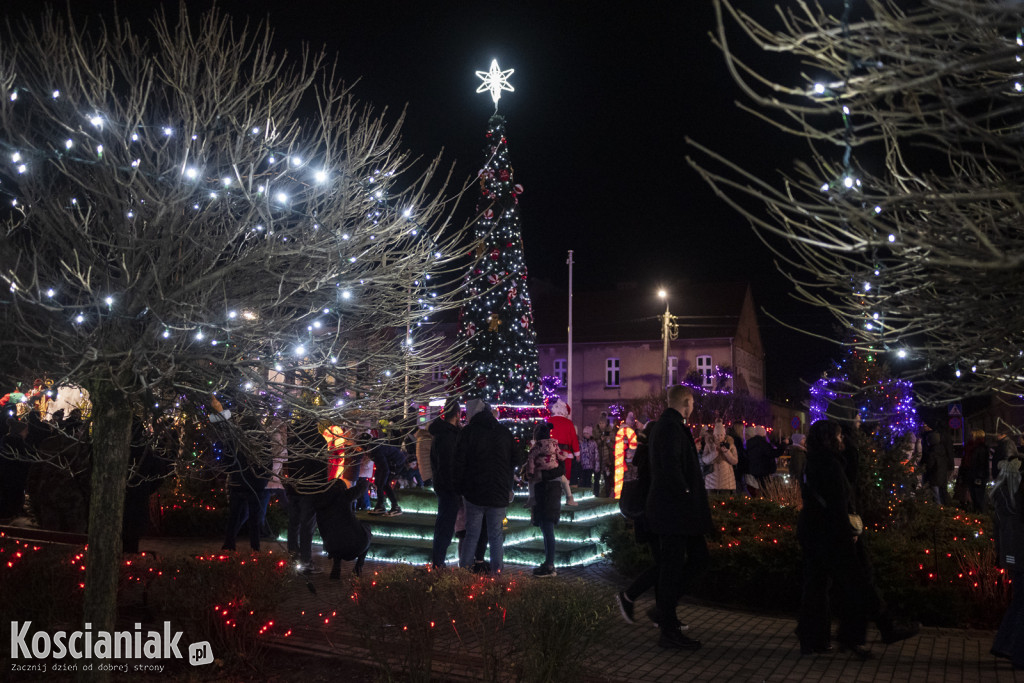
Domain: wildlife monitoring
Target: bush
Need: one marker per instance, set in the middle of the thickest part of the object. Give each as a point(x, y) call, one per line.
point(226, 599)
point(40, 583)
point(398, 611)
point(545, 628)
point(554, 626)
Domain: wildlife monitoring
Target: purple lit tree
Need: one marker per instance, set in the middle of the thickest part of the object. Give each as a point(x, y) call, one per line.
point(862, 385)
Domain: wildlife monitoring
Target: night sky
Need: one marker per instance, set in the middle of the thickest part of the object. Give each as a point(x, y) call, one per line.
point(605, 94)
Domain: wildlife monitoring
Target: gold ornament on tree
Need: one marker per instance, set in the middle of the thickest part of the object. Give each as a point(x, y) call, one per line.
point(493, 322)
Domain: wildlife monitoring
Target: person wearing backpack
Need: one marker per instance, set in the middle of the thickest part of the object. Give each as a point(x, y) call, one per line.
point(677, 511)
point(641, 530)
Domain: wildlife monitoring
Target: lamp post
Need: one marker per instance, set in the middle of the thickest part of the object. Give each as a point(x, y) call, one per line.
point(664, 342)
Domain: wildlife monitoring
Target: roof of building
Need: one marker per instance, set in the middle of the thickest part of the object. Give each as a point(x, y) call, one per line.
point(703, 310)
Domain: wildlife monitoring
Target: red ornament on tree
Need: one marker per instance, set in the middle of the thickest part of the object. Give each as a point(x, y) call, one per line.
point(470, 329)
point(493, 278)
point(495, 253)
point(489, 214)
point(481, 381)
point(525, 321)
point(504, 175)
point(517, 188)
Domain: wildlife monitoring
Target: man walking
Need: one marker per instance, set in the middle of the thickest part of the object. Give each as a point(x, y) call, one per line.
point(483, 475)
point(678, 513)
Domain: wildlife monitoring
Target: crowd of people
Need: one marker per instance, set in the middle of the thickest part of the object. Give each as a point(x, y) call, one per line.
point(474, 468)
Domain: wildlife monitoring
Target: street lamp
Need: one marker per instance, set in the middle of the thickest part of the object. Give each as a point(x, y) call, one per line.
point(664, 341)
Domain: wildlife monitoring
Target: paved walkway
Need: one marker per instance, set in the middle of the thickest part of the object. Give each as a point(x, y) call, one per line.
point(738, 646)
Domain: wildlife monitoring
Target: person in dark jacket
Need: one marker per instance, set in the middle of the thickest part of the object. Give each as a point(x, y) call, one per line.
point(742, 467)
point(975, 469)
point(677, 512)
point(648, 578)
point(1008, 510)
point(246, 479)
point(444, 432)
point(388, 460)
point(937, 462)
point(761, 457)
point(832, 552)
point(1005, 447)
point(484, 458)
point(546, 491)
point(344, 536)
point(146, 470)
point(306, 476)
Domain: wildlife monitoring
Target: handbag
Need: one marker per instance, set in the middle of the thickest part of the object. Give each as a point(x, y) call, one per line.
point(856, 523)
point(632, 501)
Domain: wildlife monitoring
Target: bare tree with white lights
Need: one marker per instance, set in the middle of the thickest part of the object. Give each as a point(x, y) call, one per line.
point(905, 222)
point(191, 212)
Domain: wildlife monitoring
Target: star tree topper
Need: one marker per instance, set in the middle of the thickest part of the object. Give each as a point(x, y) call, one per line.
point(495, 81)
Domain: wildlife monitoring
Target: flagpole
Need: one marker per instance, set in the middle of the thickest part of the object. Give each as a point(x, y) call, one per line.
point(568, 379)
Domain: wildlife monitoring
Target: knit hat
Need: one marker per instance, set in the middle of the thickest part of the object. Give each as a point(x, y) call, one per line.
point(798, 439)
point(474, 406)
point(542, 431)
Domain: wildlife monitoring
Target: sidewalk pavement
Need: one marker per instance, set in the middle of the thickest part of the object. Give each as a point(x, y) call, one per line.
point(738, 646)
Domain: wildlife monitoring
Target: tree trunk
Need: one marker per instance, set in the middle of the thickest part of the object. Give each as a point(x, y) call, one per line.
point(111, 437)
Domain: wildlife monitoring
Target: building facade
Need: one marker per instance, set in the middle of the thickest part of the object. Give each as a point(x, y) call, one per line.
point(618, 349)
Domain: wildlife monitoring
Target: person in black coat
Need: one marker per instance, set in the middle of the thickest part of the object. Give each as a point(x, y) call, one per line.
point(1008, 511)
point(246, 477)
point(677, 512)
point(484, 459)
point(444, 432)
point(833, 553)
point(546, 510)
point(975, 469)
point(388, 460)
point(937, 462)
point(761, 457)
point(344, 536)
point(306, 475)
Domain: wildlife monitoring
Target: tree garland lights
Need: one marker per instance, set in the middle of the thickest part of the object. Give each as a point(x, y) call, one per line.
point(877, 397)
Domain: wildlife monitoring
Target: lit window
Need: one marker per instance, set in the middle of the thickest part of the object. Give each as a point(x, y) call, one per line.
point(673, 370)
point(705, 370)
point(561, 370)
point(611, 375)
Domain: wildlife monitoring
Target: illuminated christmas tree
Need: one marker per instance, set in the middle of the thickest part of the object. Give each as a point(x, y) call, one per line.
point(862, 385)
point(497, 324)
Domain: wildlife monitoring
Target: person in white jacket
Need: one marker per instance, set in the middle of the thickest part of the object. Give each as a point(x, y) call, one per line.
point(720, 455)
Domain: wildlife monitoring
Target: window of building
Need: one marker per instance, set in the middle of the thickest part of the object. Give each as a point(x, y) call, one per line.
point(561, 370)
point(673, 370)
point(705, 370)
point(611, 373)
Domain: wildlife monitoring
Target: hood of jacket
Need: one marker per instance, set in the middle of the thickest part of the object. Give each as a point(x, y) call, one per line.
point(442, 426)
